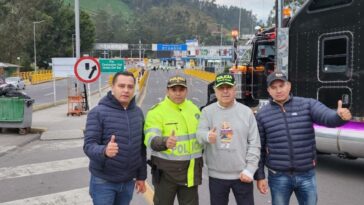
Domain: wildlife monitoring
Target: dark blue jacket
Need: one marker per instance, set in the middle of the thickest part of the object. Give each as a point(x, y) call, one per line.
point(110, 118)
point(287, 134)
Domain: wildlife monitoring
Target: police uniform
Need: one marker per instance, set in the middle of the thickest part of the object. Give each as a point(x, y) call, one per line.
point(178, 170)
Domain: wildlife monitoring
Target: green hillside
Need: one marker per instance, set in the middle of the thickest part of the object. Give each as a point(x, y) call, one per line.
point(113, 7)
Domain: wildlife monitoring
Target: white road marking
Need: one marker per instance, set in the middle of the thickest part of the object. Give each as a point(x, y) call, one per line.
point(48, 94)
point(71, 197)
point(4, 149)
point(43, 168)
point(56, 145)
point(196, 99)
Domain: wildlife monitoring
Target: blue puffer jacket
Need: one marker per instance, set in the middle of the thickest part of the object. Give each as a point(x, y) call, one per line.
point(287, 134)
point(110, 118)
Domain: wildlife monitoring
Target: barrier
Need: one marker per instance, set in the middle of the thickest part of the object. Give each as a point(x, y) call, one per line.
point(203, 75)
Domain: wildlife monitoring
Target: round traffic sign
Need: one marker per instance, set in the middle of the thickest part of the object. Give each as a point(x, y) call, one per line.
point(87, 69)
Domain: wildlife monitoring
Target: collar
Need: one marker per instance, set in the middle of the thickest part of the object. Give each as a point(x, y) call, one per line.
point(224, 108)
point(173, 105)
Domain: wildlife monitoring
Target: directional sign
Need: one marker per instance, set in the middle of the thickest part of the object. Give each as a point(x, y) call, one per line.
point(112, 65)
point(171, 47)
point(87, 69)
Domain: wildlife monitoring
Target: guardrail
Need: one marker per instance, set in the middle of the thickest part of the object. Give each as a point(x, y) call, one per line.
point(37, 77)
point(203, 75)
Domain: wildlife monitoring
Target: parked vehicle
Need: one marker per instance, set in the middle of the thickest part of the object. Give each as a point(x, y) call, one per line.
point(325, 62)
point(16, 82)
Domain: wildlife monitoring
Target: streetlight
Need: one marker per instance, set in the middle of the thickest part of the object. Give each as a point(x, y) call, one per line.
point(235, 34)
point(35, 48)
point(73, 44)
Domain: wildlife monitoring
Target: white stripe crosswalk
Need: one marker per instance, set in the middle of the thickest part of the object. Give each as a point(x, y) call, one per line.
point(71, 197)
point(79, 196)
point(43, 168)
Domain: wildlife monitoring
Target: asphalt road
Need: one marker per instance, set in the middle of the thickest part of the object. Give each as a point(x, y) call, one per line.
point(44, 93)
point(57, 169)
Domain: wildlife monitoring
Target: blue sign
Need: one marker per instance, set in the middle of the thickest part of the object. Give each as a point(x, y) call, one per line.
point(171, 47)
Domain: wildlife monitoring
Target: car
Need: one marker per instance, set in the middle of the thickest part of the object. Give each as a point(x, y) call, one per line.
point(16, 82)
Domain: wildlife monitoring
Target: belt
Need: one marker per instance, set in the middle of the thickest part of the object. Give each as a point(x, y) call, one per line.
point(289, 172)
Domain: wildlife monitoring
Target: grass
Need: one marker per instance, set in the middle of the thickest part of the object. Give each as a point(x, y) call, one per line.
point(111, 6)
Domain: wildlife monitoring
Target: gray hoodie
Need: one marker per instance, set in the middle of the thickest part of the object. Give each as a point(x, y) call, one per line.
point(237, 147)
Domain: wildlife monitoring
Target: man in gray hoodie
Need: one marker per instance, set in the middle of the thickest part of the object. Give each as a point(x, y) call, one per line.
point(230, 135)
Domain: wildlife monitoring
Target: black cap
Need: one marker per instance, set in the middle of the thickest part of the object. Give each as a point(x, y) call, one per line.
point(224, 79)
point(177, 80)
point(277, 75)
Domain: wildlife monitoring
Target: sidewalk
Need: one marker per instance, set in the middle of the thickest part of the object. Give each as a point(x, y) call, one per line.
point(54, 124)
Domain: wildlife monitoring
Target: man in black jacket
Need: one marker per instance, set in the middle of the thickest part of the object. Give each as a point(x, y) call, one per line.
point(288, 141)
point(114, 144)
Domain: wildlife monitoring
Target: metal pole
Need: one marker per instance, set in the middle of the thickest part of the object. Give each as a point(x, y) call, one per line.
point(73, 45)
point(140, 51)
point(35, 49)
point(77, 28)
point(220, 36)
point(239, 19)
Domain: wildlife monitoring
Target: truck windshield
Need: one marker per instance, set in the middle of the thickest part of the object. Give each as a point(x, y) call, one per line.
point(265, 53)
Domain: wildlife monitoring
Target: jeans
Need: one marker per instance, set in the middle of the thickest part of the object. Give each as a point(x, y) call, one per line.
point(303, 184)
point(108, 193)
point(220, 190)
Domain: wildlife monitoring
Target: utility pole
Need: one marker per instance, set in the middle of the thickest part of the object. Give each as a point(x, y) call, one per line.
point(140, 51)
point(35, 46)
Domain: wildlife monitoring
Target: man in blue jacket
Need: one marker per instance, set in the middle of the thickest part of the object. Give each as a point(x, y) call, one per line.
point(114, 144)
point(288, 141)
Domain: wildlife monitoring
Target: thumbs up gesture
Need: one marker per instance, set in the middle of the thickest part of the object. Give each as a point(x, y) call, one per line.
point(344, 113)
point(212, 136)
point(112, 148)
point(171, 141)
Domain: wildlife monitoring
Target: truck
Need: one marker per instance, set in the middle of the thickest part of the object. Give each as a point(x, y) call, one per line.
point(325, 62)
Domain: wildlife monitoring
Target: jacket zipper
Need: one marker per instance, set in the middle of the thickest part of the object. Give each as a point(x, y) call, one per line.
point(288, 135)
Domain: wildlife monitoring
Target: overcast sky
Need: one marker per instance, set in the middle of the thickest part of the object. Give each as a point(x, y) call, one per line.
point(259, 7)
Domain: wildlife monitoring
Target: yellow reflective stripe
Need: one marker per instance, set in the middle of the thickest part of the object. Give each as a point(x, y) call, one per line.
point(191, 173)
point(166, 156)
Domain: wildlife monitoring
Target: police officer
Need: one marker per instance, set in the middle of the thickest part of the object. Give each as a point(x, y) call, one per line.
point(170, 132)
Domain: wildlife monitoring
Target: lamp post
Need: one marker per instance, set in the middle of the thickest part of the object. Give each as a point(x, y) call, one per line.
point(35, 48)
point(235, 34)
point(73, 44)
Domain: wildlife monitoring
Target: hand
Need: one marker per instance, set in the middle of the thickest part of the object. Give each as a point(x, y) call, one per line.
point(171, 141)
point(212, 136)
point(244, 178)
point(140, 186)
point(112, 148)
point(344, 113)
point(262, 186)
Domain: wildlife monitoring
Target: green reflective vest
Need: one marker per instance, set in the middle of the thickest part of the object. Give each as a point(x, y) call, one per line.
point(166, 117)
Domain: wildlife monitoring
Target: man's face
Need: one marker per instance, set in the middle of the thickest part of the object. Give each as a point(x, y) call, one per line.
point(225, 95)
point(279, 90)
point(123, 89)
point(177, 94)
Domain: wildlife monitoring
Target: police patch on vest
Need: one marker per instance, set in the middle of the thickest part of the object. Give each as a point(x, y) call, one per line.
point(197, 116)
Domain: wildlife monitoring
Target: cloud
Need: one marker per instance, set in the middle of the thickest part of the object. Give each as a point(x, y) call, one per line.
point(259, 7)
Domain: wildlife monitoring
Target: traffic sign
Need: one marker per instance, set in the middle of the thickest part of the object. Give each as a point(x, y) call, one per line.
point(87, 69)
point(112, 65)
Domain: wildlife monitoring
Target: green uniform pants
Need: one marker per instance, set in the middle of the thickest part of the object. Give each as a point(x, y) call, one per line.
point(165, 191)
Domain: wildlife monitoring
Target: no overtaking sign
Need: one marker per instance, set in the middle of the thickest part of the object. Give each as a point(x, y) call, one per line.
point(87, 69)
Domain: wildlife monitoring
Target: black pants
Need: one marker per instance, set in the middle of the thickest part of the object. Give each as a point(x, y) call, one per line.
point(220, 190)
point(165, 191)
